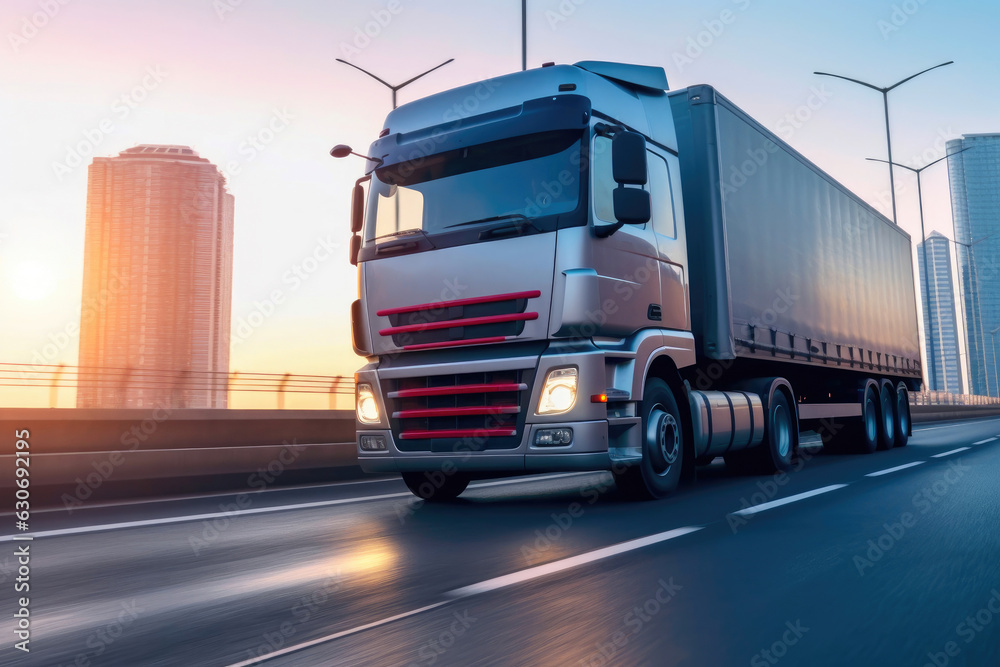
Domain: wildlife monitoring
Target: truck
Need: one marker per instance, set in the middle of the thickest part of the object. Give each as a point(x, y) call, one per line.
point(575, 268)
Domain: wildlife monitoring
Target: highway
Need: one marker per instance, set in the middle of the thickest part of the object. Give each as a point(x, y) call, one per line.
point(888, 559)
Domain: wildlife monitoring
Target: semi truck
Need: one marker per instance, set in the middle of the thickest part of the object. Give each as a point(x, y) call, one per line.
point(575, 268)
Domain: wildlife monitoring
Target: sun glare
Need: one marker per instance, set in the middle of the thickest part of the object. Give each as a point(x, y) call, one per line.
point(32, 280)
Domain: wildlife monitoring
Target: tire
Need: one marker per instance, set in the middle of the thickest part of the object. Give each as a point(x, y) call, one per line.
point(659, 472)
point(886, 417)
point(781, 438)
point(902, 413)
point(423, 485)
point(865, 434)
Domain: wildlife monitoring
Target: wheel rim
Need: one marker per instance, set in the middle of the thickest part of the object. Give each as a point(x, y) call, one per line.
point(663, 440)
point(871, 425)
point(904, 412)
point(782, 427)
point(887, 416)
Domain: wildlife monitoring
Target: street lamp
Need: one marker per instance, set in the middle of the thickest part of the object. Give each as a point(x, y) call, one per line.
point(389, 85)
point(993, 336)
point(885, 103)
point(923, 240)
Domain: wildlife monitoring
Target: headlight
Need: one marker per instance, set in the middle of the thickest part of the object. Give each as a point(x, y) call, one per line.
point(558, 392)
point(367, 406)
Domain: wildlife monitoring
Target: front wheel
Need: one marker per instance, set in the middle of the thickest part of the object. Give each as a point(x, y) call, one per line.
point(659, 472)
point(436, 486)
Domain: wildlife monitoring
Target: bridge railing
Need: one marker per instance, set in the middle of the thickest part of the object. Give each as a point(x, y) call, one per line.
point(115, 385)
point(947, 398)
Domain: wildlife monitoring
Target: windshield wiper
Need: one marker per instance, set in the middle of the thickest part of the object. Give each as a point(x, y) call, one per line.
point(506, 216)
point(387, 243)
point(517, 228)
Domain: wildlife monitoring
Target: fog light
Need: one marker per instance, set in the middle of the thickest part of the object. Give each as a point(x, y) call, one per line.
point(553, 437)
point(367, 405)
point(558, 392)
point(373, 443)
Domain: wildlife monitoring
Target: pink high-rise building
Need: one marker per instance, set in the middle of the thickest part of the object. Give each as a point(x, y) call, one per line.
point(157, 281)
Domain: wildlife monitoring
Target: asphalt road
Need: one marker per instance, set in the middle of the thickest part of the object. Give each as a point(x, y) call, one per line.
point(831, 564)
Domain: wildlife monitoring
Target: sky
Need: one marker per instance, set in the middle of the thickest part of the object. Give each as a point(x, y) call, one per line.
point(254, 86)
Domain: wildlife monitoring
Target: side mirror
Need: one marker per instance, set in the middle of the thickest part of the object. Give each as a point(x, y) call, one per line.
point(628, 158)
point(358, 205)
point(355, 249)
point(632, 206)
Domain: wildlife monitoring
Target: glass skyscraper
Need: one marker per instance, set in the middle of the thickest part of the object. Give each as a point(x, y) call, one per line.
point(940, 324)
point(974, 176)
point(157, 282)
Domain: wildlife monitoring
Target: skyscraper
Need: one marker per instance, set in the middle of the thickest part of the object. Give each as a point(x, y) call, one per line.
point(974, 176)
point(157, 281)
point(940, 325)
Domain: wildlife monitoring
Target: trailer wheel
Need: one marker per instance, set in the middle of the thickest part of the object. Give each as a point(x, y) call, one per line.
point(782, 439)
point(886, 417)
point(902, 415)
point(659, 472)
point(436, 487)
point(866, 430)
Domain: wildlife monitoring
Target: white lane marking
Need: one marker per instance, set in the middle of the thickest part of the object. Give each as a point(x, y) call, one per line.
point(568, 563)
point(338, 635)
point(954, 451)
point(199, 517)
point(489, 585)
point(983, 442)
point(784, 501)
point(879, 473)
point(261, 510)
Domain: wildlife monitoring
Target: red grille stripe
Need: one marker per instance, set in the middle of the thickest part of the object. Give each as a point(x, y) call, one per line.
point(468, 322)
point(458, 389)
point(456, 412)
point(454, 343)
point(460, 302)
point(459, 433)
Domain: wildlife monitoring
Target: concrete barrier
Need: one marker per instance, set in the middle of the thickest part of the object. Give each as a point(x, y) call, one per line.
point(86, 450)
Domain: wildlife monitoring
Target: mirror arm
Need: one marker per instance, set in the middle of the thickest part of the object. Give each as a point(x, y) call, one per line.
point(605, 231)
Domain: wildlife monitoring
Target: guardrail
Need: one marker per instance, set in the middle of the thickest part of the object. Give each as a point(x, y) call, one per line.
point(116, 384)
point(85, 455)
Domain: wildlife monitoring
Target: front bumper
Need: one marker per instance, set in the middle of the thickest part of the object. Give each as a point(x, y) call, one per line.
point(588, 449)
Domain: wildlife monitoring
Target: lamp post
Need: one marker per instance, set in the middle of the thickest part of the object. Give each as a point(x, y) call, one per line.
point(923, 240)
point(885, 103)
point(524, 35)
point(993, 336)
point(388, 85)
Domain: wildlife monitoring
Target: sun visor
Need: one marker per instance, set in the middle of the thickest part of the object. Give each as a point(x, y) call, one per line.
point(640, 76)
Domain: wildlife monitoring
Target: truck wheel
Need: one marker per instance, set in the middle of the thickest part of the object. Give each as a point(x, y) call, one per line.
point(430, 488)
point(902, 415)
point(866, 430)
point(886, 417)
point(775, 454)
point(662, 446)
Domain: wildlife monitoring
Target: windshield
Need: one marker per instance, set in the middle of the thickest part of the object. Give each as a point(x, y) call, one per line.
point(500, 182)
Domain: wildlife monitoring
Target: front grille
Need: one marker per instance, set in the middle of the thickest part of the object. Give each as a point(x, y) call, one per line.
point(486, 319)
point(459, 413)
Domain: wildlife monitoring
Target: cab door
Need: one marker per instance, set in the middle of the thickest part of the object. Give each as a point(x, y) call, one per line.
point(627, 262)
point(668, 229)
